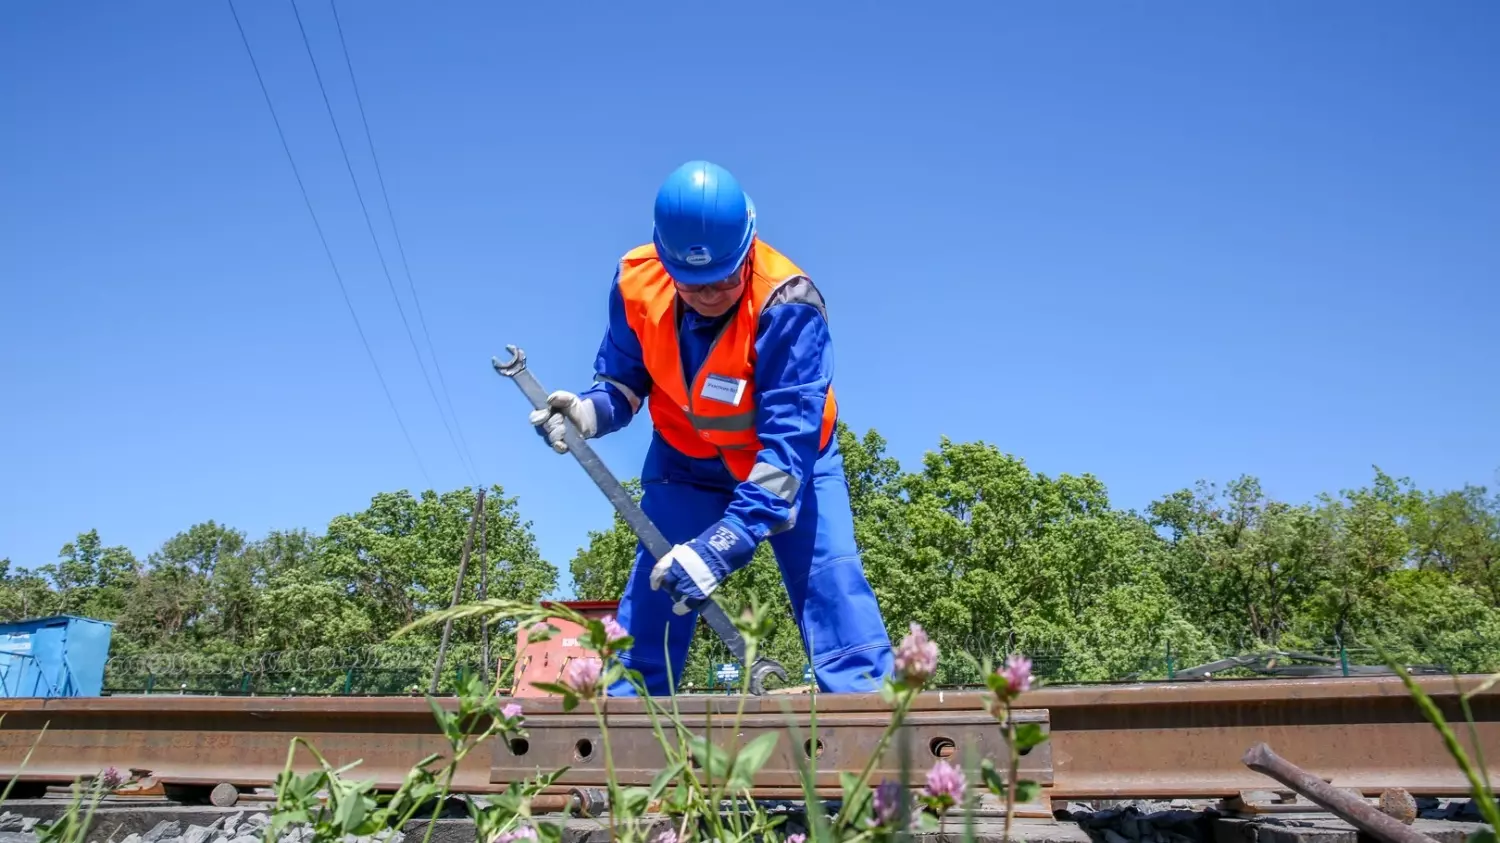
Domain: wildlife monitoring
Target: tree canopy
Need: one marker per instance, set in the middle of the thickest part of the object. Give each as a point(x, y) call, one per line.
point(985, 553)
point(991, 557)
point(215, 610)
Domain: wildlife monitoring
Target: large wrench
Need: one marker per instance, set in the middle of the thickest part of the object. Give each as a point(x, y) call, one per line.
point(646, 531)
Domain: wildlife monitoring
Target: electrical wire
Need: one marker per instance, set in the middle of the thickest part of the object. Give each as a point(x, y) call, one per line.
point(400, 246)
point(302, 187)
point(370, 225)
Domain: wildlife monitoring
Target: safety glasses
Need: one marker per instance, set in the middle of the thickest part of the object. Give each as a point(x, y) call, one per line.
point(726, 286)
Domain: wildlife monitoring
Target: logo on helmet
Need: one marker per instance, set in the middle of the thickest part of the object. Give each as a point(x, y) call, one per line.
point(699, 256)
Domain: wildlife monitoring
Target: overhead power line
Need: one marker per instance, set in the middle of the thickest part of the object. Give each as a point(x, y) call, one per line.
point(396, 232)
point(385, 268)
point(302, 187)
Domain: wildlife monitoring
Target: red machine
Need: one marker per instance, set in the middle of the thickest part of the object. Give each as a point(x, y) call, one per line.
point(544, 661)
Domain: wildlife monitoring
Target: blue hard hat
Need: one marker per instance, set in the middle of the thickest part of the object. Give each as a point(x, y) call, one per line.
point(704, 223)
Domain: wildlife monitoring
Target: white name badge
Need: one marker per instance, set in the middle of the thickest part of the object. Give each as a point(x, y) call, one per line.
point(723, 389)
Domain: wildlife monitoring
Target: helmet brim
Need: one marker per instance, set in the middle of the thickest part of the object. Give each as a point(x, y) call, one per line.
point(696, 276)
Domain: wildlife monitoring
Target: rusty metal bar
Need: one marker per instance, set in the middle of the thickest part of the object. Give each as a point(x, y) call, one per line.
point(1171, 740)
point(843, 742)
point(243, 742)
point(1356, 812)
point(1128, 741)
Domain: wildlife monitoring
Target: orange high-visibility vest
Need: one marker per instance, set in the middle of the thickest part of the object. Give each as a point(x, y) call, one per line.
point(715, 417)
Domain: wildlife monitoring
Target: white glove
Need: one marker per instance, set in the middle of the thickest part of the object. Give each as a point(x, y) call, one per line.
point(691, 571)
point(549, 420)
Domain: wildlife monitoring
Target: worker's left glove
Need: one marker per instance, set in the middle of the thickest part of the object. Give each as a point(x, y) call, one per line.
point(578, 410)
point(693, 570)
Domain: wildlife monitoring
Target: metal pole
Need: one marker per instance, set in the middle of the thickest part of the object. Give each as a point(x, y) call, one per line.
point(484, 593)
point(458, 587)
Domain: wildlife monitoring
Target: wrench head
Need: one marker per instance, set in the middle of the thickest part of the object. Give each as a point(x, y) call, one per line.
point(761, 670)
point(512, 367)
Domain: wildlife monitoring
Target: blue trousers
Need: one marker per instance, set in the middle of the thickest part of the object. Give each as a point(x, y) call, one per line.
point(842, 630)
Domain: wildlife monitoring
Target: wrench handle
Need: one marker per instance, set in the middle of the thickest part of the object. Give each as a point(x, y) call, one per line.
point(656, 543)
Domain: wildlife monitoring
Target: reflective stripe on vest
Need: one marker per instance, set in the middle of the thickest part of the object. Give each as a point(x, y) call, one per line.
point(715, 415)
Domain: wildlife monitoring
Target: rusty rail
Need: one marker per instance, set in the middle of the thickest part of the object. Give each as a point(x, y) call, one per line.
point(205, 741)
point(1146, 740)
point(1167, 740)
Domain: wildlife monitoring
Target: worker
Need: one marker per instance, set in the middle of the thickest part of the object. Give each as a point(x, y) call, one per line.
point(726, 342)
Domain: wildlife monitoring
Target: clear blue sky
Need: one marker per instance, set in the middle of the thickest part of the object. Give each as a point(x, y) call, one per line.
point(1156, 242)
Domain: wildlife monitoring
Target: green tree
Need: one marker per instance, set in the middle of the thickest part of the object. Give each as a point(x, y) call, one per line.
point(176, 604)
point(985, 553)
point(602, 568)
point(1426, 617)
point(1246, 564)
point(90, 579)
point(298, 605)
point(1458, 533)
point(996, 556)
point(1370, 543)
point(399, 558)
point(24, 594)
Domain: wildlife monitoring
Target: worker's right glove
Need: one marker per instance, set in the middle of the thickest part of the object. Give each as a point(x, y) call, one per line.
point(692, 571)
point(580, 411)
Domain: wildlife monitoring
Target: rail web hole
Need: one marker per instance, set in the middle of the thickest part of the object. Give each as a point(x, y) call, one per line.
point(811, 750)
point(942, 747)
point(583, 750)
point(519, 746)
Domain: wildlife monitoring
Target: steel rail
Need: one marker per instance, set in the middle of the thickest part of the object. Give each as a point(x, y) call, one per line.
point(1167, 740)
point(205, 741)
point(1143, 740)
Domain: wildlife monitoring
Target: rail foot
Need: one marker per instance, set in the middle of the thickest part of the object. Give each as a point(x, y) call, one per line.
point(187, 794)
point(28, 790)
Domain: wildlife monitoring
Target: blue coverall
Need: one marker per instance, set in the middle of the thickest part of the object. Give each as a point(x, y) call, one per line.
point(834, 606)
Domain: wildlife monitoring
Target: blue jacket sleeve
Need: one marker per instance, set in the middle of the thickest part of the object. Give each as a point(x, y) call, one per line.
point(794, 366)
point(621, 382)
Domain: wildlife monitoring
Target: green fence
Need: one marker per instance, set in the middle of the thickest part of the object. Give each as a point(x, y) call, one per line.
point(387, 670)
point(372, 671)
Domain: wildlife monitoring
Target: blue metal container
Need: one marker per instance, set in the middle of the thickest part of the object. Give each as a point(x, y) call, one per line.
point(60, 656)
